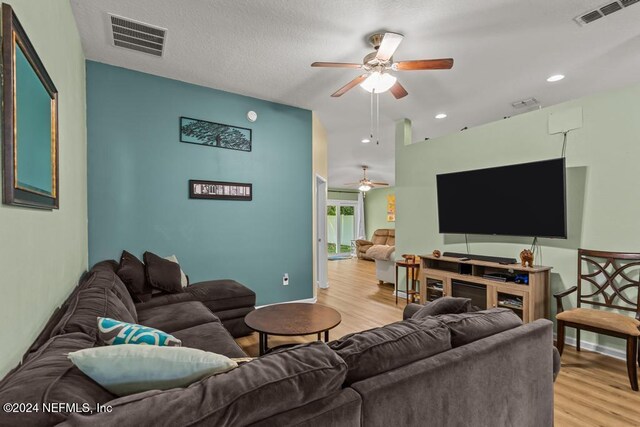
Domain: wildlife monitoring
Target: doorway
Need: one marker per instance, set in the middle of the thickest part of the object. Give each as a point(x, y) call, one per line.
point(341, 227)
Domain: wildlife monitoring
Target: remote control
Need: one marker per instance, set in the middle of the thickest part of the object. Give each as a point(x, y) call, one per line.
point(464, 259)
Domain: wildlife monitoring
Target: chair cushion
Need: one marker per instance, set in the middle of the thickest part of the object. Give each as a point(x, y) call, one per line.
point(49, 377)
point(88, 305)
point(210, 336)
point(444, 305)
point(469, 327)
point(221, 295)
point(379, 350)
point(174, 317)
point(602, 319)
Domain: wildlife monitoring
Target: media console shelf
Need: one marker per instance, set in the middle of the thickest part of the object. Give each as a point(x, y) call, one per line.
point(447, 276)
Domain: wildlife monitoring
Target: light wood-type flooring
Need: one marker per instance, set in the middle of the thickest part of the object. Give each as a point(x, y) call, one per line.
point(591, 390)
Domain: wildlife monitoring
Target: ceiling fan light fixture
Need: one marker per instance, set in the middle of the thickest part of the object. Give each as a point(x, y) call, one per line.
point(366, 141)
point(378, 82)
point(364, 187)
point(441, 116)
point(555, 78)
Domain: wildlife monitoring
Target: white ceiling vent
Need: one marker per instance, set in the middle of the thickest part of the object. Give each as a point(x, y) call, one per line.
point(528, 103)
point(602, 11)
point(137, 35)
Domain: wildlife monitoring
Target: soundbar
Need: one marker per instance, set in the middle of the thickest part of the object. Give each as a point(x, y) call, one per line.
point(499, 260)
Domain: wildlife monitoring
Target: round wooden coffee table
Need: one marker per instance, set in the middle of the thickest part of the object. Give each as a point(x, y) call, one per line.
point(292, 320)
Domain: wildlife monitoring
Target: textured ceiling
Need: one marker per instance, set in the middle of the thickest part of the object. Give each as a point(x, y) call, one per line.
point(504, 50)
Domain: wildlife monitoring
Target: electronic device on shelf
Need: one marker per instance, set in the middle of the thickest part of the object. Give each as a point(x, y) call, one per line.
point(461, 257)
point(500, 277)
point(522, 279)
point(505, 200)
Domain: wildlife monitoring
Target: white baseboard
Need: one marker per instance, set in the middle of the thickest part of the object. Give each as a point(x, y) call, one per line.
point(306, 300)
point(598, 348)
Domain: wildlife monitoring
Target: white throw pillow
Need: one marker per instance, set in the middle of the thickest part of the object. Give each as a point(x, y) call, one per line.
point(183, 277)
point(130, 368)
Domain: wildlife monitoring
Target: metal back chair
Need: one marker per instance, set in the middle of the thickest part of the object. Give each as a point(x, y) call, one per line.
point(606, 281)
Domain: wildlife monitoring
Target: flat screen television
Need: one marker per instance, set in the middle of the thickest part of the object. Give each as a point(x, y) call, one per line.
point(527, 199)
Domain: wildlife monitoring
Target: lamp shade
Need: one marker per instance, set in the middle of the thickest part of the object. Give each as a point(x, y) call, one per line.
point(380, 82)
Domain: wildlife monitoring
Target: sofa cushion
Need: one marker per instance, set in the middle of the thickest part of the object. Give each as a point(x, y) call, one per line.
point(110, 280)
point(379, 350)
point(131, 272)
point(49, 377)
point(468, 327)
point(174, 317)
point(223, 294)
point(444, 305)
point(87, 306)
point(252, 392)
point(127, 369)
point(162, 274)
point(165, 299)
point(116, 332)
point(210, 336)
point(381, 252)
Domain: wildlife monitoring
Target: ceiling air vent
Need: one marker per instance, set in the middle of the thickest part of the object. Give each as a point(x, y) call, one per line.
point(603, 11)
point(138, 36)
point(525, 103)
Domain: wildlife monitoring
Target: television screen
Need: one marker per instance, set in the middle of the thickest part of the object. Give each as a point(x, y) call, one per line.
point(518, 200)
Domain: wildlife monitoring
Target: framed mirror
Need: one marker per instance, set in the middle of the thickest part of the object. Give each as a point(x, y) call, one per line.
point(29, 121)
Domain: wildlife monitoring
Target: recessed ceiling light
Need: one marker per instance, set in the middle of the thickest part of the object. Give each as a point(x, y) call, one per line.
point(441, 116)
point(366, 141)
point(555, 78)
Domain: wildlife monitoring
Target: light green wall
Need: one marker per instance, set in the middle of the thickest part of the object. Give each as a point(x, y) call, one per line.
point(342, 195)
point(602, 183)
point(43, 253)
point(375, 210)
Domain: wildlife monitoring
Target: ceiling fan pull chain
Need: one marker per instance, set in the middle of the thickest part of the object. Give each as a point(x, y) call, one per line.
point(377, 119)
point(371, 114)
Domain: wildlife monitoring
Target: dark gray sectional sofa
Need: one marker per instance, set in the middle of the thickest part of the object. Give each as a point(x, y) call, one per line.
point(481, 369)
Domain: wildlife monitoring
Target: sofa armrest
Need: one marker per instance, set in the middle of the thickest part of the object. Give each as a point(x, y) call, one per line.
point(410, 310)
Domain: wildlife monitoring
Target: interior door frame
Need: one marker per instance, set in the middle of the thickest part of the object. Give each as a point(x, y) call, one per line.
point(322, 267)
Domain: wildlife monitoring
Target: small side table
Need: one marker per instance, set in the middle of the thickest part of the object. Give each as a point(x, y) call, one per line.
point(412, 267)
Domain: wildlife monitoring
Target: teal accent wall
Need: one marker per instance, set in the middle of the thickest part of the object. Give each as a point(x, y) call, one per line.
point(138, 173)
point(375, 210)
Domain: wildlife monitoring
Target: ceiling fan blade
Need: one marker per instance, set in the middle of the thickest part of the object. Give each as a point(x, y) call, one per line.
point(379, 184)
point(353, 83)
point(390, 43)
point(336, 65)
point(398, 91)
point(424, 64)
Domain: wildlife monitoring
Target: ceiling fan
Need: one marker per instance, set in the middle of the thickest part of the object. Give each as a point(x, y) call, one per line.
point(378, 64)
point(365, 184)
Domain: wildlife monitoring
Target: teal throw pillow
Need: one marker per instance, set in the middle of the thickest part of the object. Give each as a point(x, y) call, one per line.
point(115, 332)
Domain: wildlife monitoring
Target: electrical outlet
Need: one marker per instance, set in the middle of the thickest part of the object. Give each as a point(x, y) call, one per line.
point(285, 279)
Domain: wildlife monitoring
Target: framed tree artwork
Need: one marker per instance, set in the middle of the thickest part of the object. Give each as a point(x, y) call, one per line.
point(211, 134)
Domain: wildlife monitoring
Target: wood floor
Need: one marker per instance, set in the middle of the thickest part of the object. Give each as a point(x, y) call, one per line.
point(591, 390)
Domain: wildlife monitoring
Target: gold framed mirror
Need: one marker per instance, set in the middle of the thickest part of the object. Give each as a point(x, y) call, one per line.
point(29, 120)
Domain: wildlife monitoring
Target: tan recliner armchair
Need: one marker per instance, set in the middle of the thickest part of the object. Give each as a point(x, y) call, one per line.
point(382, 236)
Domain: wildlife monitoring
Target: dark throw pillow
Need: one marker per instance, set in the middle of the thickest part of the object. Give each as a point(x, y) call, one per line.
point(131, 272)
point(162, 274)
point(444, 305)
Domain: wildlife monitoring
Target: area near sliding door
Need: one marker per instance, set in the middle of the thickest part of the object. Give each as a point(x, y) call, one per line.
point(341, 227)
